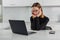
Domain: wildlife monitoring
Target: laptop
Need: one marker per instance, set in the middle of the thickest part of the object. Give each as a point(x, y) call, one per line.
point(19, 27)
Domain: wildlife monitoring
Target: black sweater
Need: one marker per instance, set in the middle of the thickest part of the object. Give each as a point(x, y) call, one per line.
point(38, 23)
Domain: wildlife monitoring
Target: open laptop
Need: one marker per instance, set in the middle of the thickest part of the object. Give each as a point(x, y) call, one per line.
point(19, 27)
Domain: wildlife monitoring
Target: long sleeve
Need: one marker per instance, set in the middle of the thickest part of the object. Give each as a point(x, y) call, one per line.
point(38, 26)
point(35, 23)
point(38, 23)
point(32, 20)
point(41, 22)
point(45, 21)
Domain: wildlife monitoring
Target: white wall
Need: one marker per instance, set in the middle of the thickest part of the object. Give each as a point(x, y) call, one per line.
point(0, 2)
point(16, 13)
point(0, 9)
point(29, 2)
point(23, 12)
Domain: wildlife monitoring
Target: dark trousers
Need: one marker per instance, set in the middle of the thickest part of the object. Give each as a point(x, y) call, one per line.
point(37, 25)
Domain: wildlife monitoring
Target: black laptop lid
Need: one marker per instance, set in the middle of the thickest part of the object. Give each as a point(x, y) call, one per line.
point(18, 26)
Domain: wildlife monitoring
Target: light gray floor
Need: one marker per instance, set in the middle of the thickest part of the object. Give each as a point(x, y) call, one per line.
point(40, 35)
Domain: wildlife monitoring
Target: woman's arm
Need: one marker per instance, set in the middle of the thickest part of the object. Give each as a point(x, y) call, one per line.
point(45, 21)
point(43, 24)
point(32, 20)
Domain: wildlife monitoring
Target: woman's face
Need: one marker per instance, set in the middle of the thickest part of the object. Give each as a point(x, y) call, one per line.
point(35, 10)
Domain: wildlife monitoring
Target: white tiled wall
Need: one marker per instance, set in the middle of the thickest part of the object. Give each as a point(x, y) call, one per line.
point(0, 9)
point(51, 8)
point(24, 13)
point(30, 2)
point(52, 12)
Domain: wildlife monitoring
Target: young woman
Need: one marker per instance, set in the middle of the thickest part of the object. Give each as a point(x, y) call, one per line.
point(38, 19)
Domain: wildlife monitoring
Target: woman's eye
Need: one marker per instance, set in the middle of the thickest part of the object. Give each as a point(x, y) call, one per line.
point(35, 11)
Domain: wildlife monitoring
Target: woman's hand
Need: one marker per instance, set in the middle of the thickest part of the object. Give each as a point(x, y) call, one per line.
point(33, 16)
point(39, 13)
